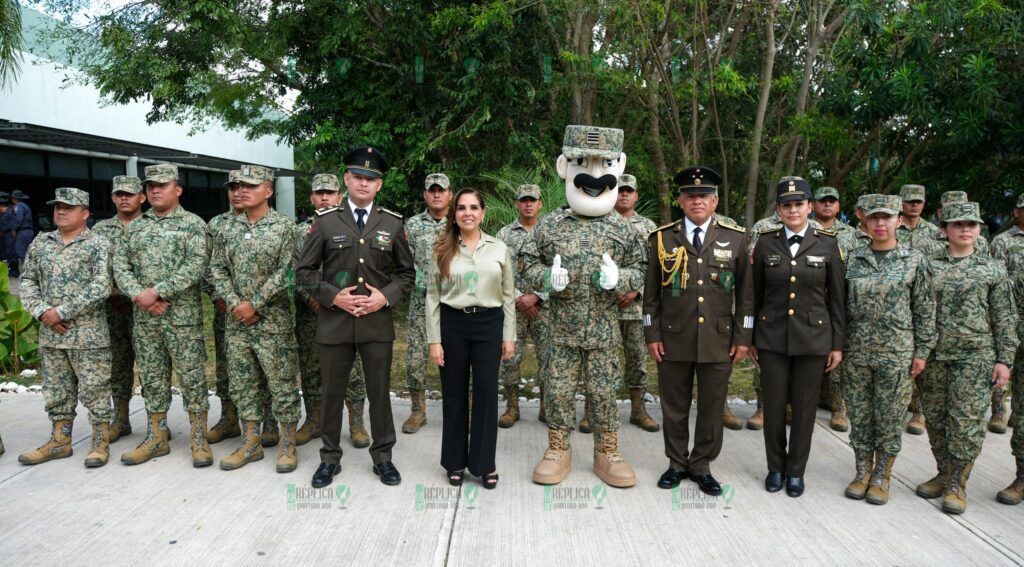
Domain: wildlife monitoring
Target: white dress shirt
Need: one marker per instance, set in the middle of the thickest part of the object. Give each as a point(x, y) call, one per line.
point(355, 216)
point(703, 230)
point(796, 246)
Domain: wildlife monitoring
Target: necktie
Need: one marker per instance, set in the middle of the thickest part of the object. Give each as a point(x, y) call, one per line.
point(795, 239)
point(696, 239)
point(361, 213)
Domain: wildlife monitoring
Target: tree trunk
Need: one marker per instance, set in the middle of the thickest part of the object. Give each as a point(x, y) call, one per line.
point(762, 106)
point(660, 169)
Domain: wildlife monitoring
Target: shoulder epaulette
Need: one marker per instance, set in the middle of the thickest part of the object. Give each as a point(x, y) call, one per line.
point(392, 213)
point(664, 226)
point(827, 232)
point(769, 229)
point(730, 225)
point(325, 210)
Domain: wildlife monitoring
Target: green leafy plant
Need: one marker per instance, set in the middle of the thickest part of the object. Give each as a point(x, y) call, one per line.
point(17, 327)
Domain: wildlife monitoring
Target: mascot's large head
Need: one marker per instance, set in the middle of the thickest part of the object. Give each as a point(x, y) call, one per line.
point(591, 163)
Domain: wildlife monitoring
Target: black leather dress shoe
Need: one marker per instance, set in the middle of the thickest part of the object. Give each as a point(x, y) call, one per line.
point(671, 478)
point(325, 474)
point(388, 473)
point(773, 482)
point(794, 486)
point(707, 484)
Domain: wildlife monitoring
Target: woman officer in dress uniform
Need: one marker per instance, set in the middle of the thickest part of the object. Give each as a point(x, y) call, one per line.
point(800, 329)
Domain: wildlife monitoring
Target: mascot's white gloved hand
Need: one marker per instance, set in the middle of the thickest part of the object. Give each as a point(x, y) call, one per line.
point(609, 272)
point(559, 275)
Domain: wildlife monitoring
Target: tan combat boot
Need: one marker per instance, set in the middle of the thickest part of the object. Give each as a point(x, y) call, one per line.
point(121, 426)
point(916, 424)
point(1014, 493)
point(839, 421)
point(313, 426)
point(955, 500)
point(99, 446)
point(287, 460)
point(542, 416)
point(878, 488)
point(270, 436)
point(356, 431)
point(939, 483)
point(585, 422)
point(227, 426)
point(756, 421)
point(858, 487)
point(155, 444)
point(418, 413)
point(998, 423)
point(202, 456)
point(58, 447)
point(729, 419)
point(511, 415)
point(250, 450)
point(557, 461)
point(638, 415)
point(609, 464)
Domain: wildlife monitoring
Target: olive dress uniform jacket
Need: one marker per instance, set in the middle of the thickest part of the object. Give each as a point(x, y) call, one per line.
point(799, 301)
point(378, 255)
point(698, 323)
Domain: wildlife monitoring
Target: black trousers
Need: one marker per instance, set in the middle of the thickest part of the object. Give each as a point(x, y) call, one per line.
point(471, 341)
point(675, 382)
point(335, 366)
point(793, 380)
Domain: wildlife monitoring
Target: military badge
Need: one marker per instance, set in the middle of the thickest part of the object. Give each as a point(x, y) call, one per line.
point(728, 279)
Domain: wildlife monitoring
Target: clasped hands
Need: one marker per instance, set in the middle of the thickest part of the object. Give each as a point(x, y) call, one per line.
point(360, 305)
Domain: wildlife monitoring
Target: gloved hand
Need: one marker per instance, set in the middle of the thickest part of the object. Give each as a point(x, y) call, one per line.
point(609, 272)
point(559, 275)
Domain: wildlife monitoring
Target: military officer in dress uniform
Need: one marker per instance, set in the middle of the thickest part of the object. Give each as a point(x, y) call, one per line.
point(357, 264)
point(800, 311)
point(697, 269)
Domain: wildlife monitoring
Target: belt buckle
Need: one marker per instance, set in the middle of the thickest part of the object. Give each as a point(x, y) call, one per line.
point(469, 310)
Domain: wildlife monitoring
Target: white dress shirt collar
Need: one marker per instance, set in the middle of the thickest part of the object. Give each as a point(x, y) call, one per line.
point(690, 226)
point(355, 217)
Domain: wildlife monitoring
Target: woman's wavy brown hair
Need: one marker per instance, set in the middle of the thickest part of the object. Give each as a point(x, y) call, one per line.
point(448, 243)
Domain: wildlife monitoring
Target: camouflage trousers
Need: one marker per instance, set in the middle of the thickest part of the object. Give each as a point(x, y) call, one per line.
point(73, 374)
point(876, 400)
point(158, 349)
point(1017, 400)
point(122, 355)
point(536, 330)
point(599, 374)
point(635, 348)
point(221, 355)
point(309, 360)
point(254, 355)
point(416, 355)
point(955, 396)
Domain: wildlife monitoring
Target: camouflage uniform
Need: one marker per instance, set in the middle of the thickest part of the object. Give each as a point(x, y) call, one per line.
point(631, 318)
point(122, 355)
point(514, 235)
point(1008, 247)
point(75, 278)
point(169, 253)
point(423, 231)
point(254, 261)
point(215, 226)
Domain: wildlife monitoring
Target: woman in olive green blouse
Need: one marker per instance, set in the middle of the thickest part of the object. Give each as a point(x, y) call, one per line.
point(471, 328)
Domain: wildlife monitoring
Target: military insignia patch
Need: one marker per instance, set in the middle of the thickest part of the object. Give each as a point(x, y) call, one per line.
point(722, 255)
point(727, 279)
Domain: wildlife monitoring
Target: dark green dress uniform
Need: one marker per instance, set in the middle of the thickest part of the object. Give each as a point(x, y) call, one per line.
point(800, 315)
point(688, 306)
point(338, 254)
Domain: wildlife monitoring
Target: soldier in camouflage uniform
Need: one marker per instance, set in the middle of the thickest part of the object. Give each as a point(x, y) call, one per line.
point(921, 235)
point(588, 255)
point(1008, 247)
point(630, 317)
point(423, 230)
point(252, 270)
point(531, 311)
point(64, 282)
point(891, 331)
point(976, 346)
point(160, 263)
point(227, 426)
point(826, 210)
point(326, 192)
point(128, 199)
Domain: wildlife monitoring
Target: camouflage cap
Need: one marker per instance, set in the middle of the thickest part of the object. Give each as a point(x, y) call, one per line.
point(160, 173)
point(70, 196)
point(888, 204)
point(127, 184)
point(953, 198)
point(1020, 201)
point(826, 193)
point(587, 141)
point(954, 212)
point(912, 192)
point(438, 179)
point(864, 201)
point(326, 182)
point(255, 174)
point(527, 190)
point(233, 176)
point(627, 180)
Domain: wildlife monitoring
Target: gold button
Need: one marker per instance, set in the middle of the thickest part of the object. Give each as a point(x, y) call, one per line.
point(700, 282)
point(670, 326)
point(361, 241)
point(361, 261)
point(700, 319)
point(700, 300)
point(361, 281)
point(819, 321)
point(700, 260)
point(790, 311)
point(791, 296)
point(792, 278)
point(792, 262)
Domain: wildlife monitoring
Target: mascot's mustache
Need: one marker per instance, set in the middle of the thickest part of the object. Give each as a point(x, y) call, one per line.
point(594, 186)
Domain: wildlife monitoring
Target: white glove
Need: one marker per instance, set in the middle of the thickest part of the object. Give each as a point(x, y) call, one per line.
point(609, 272)
point(559, 275)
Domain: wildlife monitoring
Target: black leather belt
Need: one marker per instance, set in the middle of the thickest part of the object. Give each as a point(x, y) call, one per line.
point(473, 309)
